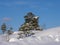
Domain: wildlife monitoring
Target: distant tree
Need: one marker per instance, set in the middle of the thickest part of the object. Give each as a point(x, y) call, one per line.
point(11, 28)
point(10, 31)
point(3, 27)
point(44, 26)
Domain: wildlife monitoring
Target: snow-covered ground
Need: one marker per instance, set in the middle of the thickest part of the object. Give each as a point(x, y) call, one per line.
point(47, 37)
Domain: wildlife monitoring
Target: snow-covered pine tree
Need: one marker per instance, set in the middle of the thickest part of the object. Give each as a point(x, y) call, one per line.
point(31, 23)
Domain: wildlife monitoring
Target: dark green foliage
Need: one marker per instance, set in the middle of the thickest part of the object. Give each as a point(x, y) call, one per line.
point(31, 23)
point(3, 27)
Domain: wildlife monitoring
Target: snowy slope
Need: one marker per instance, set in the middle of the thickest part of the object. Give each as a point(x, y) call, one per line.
point(47, 37)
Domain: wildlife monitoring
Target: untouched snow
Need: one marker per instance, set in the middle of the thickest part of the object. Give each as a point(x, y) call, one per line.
point(46, 37)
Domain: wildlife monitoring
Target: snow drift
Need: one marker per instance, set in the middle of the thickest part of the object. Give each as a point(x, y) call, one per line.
point(47, 37)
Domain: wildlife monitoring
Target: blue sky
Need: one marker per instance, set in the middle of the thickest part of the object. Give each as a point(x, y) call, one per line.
point(12, 12)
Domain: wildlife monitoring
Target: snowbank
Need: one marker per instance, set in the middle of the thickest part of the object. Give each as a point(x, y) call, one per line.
point(46, 37)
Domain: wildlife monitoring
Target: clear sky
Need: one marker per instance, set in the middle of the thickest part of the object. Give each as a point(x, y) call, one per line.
point(12, 12)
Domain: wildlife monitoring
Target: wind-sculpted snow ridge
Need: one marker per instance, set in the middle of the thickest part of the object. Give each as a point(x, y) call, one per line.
point(46, 37)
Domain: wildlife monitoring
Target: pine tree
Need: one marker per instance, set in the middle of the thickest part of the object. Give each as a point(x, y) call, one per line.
point(10, 31)
point(3, 27)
